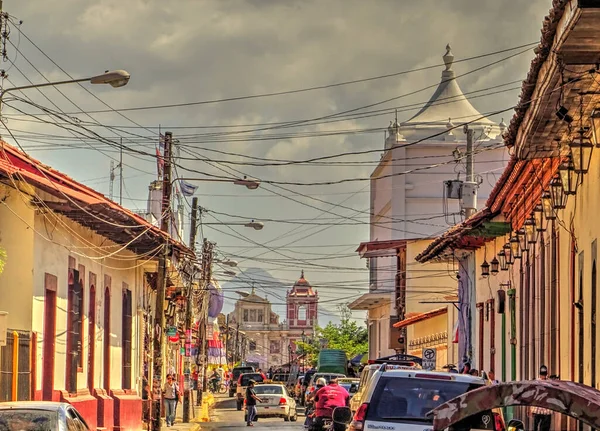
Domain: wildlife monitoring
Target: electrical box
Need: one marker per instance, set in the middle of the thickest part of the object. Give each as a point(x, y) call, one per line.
point(3, 327)
point(469, 195)
point(453, 189)
point(396, 341)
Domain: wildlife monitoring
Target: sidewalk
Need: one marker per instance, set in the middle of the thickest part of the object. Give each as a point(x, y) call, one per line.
point(198, 415)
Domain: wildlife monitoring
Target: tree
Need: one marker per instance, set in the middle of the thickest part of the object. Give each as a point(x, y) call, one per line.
point(348, 336)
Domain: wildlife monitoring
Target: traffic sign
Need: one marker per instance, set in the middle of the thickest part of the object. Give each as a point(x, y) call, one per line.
point(429, 359)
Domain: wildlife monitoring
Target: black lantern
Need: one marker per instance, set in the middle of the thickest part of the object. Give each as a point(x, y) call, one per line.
point(502, 260)
point(581, 153)
point(522, 240)
point(568, 176)
point(530, 232)
point(510, 259)
point(559, 197)
point(494, 264)
point(485, 269)
point(538, 215)
point(515, 247)
point(547, 206)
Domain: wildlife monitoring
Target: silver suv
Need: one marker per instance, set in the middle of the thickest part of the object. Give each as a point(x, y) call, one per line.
point(400, 400)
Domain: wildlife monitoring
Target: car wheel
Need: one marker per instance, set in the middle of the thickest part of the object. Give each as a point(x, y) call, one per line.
point(286, 418)
point(295, 417)
point(239, 405)
point(231, 394)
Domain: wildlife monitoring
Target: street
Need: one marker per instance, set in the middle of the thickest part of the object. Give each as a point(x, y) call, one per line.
point(226, 417)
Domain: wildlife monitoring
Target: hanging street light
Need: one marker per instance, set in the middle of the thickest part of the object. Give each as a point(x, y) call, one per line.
point(557, 192)
point(494, 264)
point(522, 240)
point(515, 246)
point(595, 117)
point(568, 177)
point(530, 233)
point(581, 153)
point(510, 259)
point(485, 269)
point(547, 206)
point(502, 259)
point(538, 215)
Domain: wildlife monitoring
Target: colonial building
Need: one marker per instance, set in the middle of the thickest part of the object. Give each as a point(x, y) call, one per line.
point(409, 205)
point(75, 288)
point(529, 278)
point(271, 343)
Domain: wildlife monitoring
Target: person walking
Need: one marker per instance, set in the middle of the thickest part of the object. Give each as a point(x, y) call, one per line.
point(171, 396)
point(542, 417)
point(492, 378)
point(251, 400)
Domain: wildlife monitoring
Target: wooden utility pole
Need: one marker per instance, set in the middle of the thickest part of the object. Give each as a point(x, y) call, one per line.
point(188, 312)
point(207, 256)
point(161, 287)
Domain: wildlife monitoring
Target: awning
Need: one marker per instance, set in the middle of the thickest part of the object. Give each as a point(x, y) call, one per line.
point(380, 248)
point(370, 300)
point(421, 317)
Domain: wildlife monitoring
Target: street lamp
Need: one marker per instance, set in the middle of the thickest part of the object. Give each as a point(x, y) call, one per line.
point(249, 183)
point(115, 78)
point(227, 262)
point(581, 153)
point(256, 225)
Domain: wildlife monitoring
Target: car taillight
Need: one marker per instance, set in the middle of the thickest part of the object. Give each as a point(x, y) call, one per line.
point(282, 401)
point(358, 422)
point(432, 376)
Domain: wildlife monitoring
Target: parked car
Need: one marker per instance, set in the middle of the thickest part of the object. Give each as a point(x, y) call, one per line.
point(40, 415)
point(307, 376)
point(365, 379)
point(276, 402)
point(237, 371)
point(350, 384)
point(401, 399)
point(242, 385)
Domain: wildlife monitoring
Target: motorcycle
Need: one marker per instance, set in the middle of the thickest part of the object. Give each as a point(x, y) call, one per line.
point(339, 421)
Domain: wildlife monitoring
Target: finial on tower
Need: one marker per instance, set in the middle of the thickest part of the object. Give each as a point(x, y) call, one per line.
point(302, 274)
point(448, 57)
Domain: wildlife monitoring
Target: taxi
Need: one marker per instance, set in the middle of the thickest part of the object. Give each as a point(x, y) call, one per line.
point(276, 402)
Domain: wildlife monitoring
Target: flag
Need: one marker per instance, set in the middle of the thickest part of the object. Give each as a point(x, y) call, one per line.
point(187, 189)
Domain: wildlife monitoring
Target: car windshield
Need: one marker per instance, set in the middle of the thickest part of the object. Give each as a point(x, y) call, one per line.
point(28, 420)
point(268, 390)
point(398, 399)
point(247, 377)
point(237, 372)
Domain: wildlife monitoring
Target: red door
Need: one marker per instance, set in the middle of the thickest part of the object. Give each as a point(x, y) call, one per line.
point(92, 333)
point(107, 339)
point(50, 283)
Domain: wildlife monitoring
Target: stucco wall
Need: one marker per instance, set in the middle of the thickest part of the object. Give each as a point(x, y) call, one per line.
point(17, 237)
point(66, 239)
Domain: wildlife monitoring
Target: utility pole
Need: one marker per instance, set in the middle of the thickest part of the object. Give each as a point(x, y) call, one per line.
point(121, 173)
point(470, 189)
point(207, 250)
point(161, 287)
point(188, 312)
point(227, 340)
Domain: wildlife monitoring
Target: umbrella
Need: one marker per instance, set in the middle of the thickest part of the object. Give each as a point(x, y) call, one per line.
point(358, 359)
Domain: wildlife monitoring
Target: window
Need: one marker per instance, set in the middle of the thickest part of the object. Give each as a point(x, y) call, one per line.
point(252, 317)
point(302, 313)
point(79, 322)
point(91, 331)
point(245, 318)
point(252, 346)
point(260, 316)
point(275, 346)
point(127, 336)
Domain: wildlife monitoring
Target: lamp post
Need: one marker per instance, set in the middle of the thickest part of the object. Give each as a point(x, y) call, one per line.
point(256, 225)
point(115, 78)
point(249, 183)
point(303, 336)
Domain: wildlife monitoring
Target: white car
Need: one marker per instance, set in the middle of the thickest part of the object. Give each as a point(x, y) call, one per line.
point(400, 400)
point(276, 402)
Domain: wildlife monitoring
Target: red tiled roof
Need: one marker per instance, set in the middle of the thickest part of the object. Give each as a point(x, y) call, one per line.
point(82, 204)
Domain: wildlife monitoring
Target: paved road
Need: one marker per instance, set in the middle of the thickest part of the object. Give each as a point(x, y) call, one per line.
point(228, 418)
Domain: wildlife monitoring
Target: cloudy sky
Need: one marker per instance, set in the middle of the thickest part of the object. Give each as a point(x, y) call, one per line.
point(195, 53)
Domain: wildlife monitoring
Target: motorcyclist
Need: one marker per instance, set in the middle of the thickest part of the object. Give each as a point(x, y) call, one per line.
point(310, 407)
point(326, 399)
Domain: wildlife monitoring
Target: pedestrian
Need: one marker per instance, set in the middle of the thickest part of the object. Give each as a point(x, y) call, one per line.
point(171, 396)
point(492, 377)
point(542, 417)
point(466, 368)
point(251, 400)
